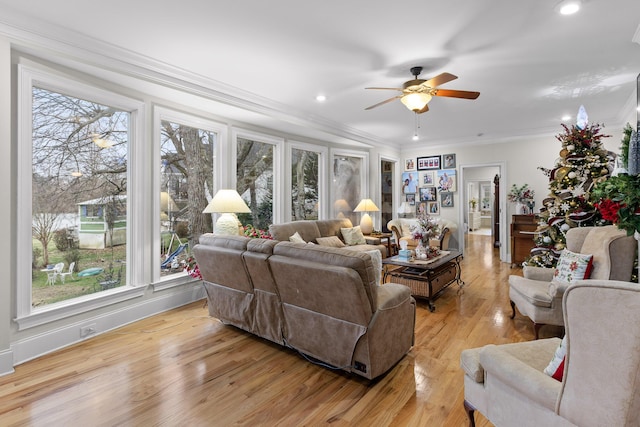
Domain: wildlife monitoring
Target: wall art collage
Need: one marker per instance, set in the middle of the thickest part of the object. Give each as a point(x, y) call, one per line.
point(428, 183)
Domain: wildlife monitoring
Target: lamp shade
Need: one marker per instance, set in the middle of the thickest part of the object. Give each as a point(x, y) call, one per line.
point(227, 201)
point(366, 205)
point(416, 101)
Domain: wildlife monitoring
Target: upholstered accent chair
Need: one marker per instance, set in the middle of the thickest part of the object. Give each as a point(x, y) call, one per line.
point(601, 373)
point(401, 229)
point(538, 296)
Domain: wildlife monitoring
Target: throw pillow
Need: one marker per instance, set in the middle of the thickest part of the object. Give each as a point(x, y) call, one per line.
point(353, 236)
point(331, 241)
point(296, 238)
point(572, 266)
point(376, 260)
point(555, 368)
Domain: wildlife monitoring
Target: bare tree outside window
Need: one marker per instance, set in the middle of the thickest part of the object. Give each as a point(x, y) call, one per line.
point(255, 181)
point(79, 190)
point(304, 184)
point(186, 181)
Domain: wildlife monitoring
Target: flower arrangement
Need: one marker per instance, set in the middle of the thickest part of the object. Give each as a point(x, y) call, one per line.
point(521, 194)
point(619, 201)
point(192, 269)
point(256, 233)
point(425, 229)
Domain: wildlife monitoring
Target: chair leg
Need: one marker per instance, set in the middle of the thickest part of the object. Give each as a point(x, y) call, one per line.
point(513, 309)
point(536, 328)
point(468, 407)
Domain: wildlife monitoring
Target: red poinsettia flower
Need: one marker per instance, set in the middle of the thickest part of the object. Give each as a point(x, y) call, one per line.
point(609, 209)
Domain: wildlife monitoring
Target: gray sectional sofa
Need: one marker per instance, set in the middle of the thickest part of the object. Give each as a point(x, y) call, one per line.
point(323, 302)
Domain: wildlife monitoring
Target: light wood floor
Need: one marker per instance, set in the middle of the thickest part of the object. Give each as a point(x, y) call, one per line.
point(183, 368)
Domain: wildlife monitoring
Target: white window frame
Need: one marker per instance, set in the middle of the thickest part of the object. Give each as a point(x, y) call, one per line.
point(30, 74)
point(364, 175)
point(323, 195)
point(278, 181)
point(221, 130)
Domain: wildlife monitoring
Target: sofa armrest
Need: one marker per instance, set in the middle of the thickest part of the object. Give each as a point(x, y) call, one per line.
point(391, 295)
point(538, 273)
point(517, 375)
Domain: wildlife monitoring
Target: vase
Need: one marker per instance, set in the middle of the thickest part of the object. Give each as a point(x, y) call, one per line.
point(521, 208)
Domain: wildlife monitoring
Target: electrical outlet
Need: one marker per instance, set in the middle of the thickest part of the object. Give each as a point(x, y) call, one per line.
point(87, 330)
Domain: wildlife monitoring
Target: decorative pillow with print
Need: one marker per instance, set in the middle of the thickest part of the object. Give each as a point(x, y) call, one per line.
point(555, 368)
point(572, 266)
point(296, 238)
point(353, 236)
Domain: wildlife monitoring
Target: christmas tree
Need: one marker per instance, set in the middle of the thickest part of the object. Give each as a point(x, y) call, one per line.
point(583, 162)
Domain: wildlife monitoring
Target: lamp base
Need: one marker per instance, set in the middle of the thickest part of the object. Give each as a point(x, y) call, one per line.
point(366, 224)
point(227, 225)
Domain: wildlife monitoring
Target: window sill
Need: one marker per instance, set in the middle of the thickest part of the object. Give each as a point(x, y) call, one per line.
point(60, 310)
point(173, 282)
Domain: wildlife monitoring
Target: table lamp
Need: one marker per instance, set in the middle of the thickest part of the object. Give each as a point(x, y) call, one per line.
point(366, 223)
point(228, 203)
point(404, 209)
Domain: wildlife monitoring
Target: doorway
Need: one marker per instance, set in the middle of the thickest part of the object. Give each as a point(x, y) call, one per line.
point(386, 196)
point(480, 210)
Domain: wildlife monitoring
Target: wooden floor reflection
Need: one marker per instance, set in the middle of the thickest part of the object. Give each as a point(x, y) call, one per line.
point(183, 368)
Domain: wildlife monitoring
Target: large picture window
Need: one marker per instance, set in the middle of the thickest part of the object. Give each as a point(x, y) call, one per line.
point(305, 185)
point(186, 185)
point(256, 182)
point(79, 196)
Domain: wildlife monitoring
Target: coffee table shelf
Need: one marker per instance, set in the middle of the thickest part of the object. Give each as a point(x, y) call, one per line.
point(426, 281)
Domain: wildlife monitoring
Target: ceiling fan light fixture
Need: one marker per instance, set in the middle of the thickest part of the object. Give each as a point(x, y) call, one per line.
point(568, 7)
point(416, 101)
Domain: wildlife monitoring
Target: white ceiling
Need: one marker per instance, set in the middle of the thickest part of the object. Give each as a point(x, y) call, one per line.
point(531, 65)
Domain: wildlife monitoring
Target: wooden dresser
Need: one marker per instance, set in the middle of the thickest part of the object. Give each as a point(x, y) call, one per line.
point(522, 228)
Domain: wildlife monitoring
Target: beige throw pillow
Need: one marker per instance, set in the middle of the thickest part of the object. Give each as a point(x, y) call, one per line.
point(331, 241)
point(353, 236)
point(296, 238)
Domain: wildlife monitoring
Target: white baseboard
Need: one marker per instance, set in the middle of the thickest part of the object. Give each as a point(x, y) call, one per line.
point(6, 362)
point(47, 342)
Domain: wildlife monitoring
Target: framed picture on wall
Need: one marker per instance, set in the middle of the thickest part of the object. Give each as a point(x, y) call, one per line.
point(426, 163)
point(446, 180)
point(411, 199)
point(427, 178)
point(433, 208)
point(409, 165)
point(446, 200)
point(428, 194)
point(448, 161)
point(421, 208)
point(409, 182)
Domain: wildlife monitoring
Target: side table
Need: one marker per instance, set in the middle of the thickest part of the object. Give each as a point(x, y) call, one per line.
point(378, 238)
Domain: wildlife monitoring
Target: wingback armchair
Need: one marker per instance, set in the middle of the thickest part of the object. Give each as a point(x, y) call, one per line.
point(401, 229)
point(506, 383)
point(539, 297)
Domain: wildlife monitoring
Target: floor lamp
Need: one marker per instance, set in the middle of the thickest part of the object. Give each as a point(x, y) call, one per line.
point(227, 203)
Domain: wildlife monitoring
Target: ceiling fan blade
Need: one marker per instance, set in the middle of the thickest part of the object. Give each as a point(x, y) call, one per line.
point(440, 79)
point(384, 88)
point(456, 93)
point(384, 102)
point(424, 110)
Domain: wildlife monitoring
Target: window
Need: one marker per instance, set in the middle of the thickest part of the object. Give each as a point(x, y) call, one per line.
point(74, 209)
point(79, 195)
point(256, 160)
point(187, 147)
point(305, 185)
point(349, 185)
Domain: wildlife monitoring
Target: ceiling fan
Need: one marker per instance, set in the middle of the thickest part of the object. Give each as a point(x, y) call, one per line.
point(417, 93)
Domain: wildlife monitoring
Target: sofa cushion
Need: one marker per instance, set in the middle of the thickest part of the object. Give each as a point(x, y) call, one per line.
point(296, 238)
point(353, 236)
point(555, 368)
point(331, 241)
point(572, 266)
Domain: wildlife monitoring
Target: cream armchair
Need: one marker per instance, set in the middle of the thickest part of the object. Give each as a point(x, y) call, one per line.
point(506, 383)
point(539, 298)
point(401, 229)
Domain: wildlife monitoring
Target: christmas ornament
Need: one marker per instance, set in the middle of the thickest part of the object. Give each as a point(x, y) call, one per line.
point(581, 118)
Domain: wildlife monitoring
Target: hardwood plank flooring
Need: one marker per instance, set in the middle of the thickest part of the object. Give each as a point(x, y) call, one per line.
point(183, 368)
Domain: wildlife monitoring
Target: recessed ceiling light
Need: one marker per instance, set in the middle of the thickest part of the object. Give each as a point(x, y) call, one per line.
point(566, 118)
point(321, 98)
point(568, 7)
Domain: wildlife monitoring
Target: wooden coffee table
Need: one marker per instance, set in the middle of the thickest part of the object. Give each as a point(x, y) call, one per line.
point(426, 279)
